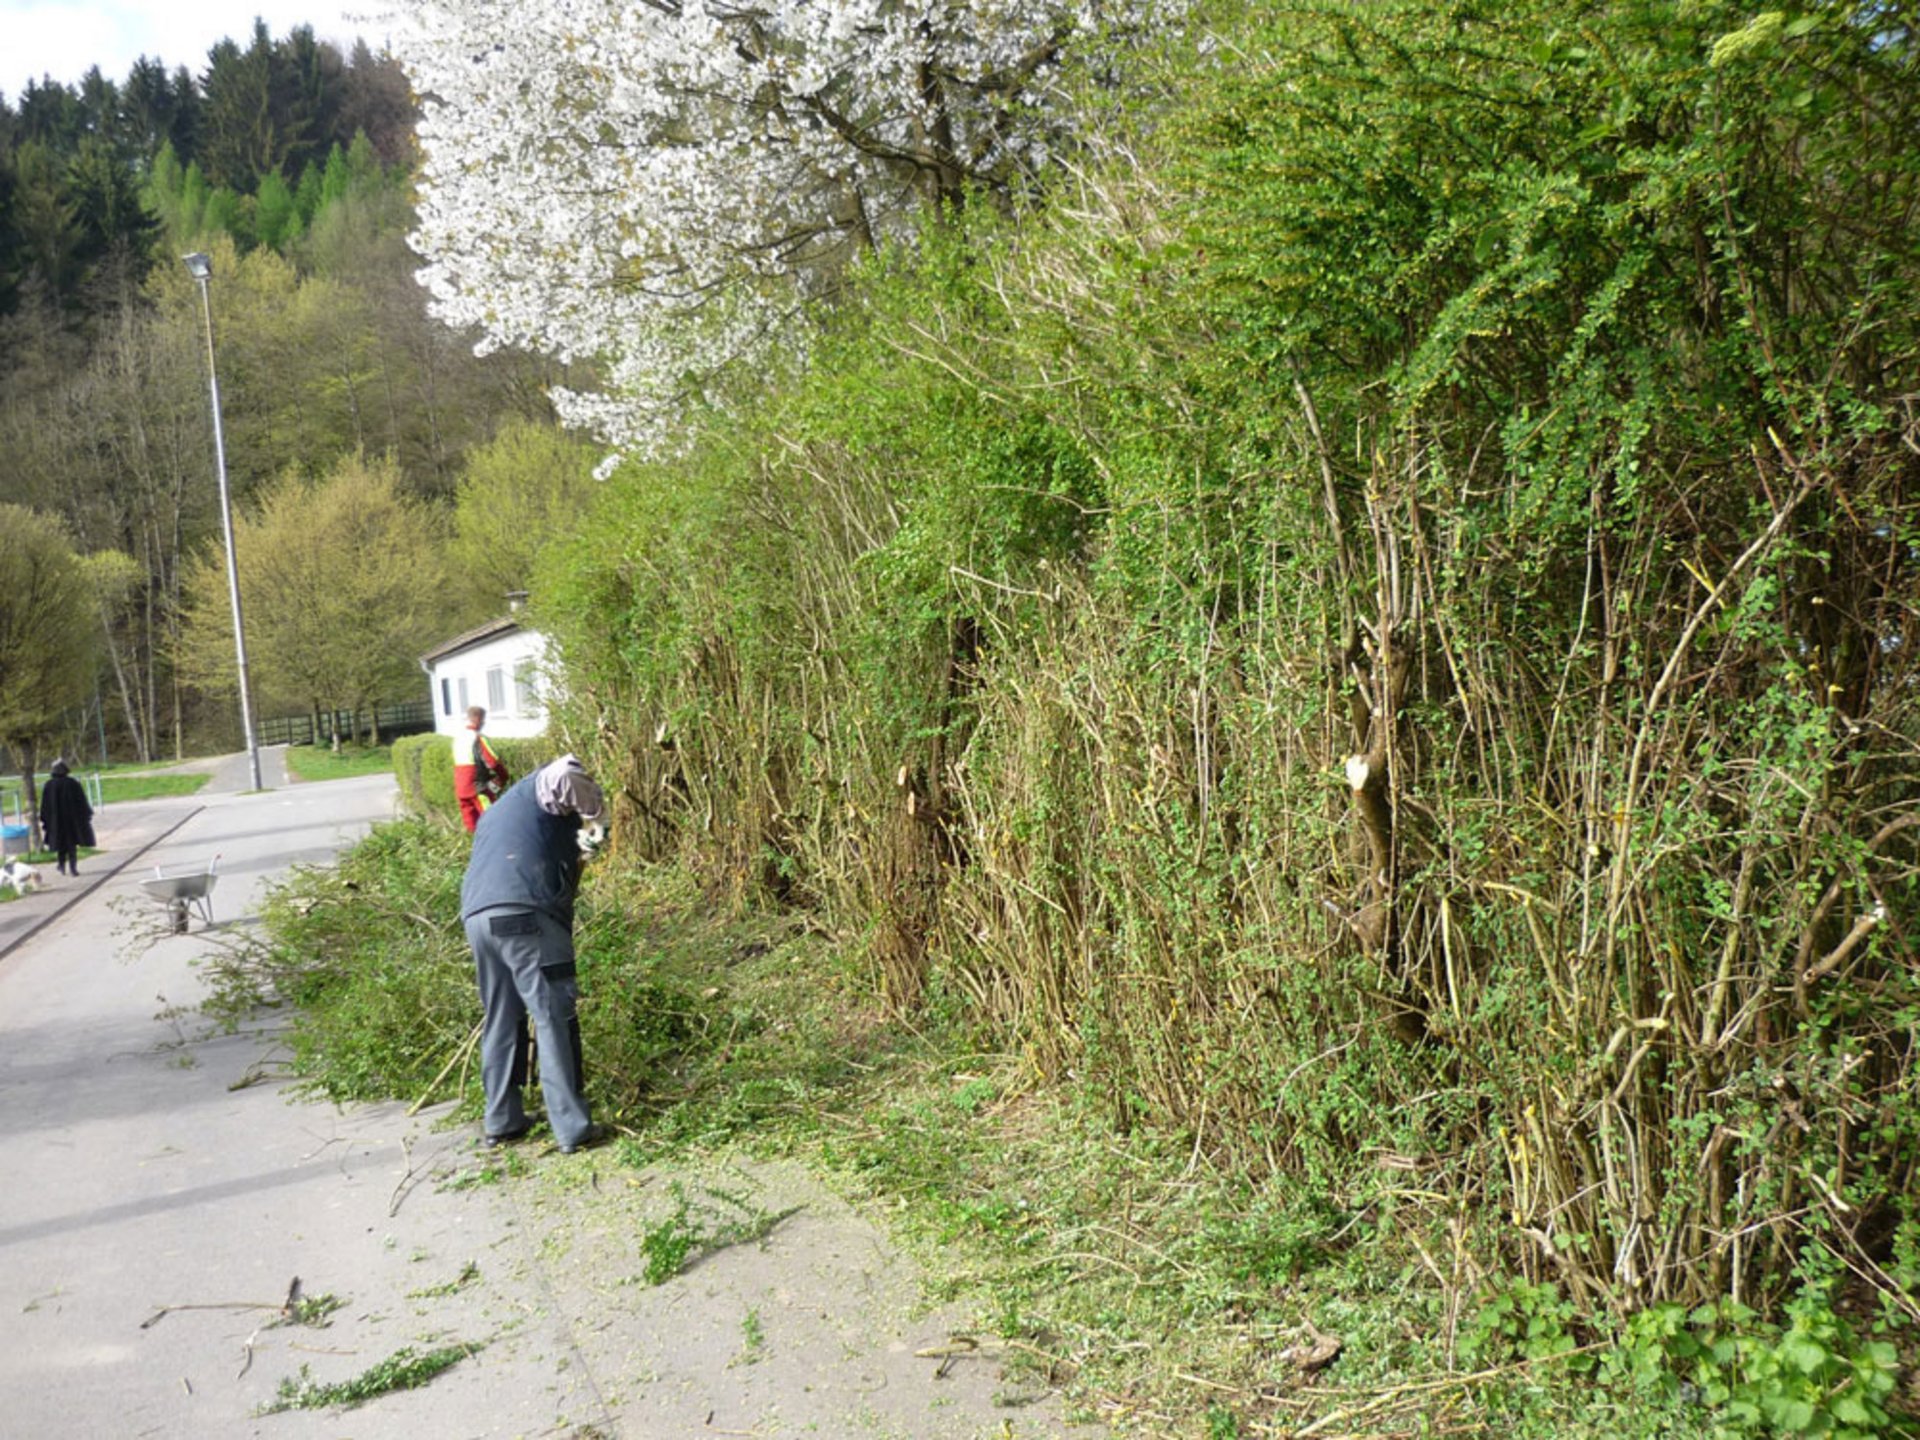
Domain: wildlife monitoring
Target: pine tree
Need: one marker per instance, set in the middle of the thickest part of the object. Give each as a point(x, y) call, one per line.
point(223, 213)
point(148, 108)
point(239, 142)
point(49, 114)
point(194, 194)
point(307, 91)
point(337, 179)
point(99, 104)
point(363, 166)
point(165, 177)
point(306, 196)
point(46, 230)
point(276, 218)
point(189, 115)
point(108, 209)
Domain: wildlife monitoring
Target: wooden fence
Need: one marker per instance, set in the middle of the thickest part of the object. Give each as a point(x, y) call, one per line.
point(408, 719)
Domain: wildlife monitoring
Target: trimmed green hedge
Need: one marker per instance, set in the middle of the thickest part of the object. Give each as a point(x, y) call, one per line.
point(410, 761)
point(521, 757)
point(423, 764)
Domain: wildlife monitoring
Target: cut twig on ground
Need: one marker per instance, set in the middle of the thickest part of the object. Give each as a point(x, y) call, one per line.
point(459, 1055)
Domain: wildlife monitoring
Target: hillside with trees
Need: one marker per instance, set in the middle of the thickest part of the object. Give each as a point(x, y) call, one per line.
point(292, 164)
point(243, 138)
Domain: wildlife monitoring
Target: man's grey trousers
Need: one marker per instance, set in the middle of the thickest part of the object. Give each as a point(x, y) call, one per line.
point(523, 960)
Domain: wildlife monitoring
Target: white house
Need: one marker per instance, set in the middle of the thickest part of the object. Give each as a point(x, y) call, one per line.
point(496, 665)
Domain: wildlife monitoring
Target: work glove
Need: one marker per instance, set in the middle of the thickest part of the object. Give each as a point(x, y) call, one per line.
point(591, 838)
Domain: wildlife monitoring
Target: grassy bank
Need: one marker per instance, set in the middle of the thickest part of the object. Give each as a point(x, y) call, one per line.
point(316, 762)
point(119, 789)
point(118, 784)
point(1160, 1290)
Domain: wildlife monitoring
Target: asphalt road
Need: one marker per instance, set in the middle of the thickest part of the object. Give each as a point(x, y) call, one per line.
point(154, 1163)
point(164, 1191)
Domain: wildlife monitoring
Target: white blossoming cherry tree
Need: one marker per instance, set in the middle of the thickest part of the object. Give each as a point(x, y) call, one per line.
point(661, 185)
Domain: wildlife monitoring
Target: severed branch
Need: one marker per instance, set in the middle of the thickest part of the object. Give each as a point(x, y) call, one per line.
point(434, 1084)
point(407, 1181)
point(285, 1307)
point(1837, 956)
point(247, 1346)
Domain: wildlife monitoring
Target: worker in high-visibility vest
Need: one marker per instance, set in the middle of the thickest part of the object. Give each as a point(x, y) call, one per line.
point(478, 775)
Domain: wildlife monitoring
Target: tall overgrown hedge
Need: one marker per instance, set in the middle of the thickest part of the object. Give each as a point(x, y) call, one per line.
point(1378, 631)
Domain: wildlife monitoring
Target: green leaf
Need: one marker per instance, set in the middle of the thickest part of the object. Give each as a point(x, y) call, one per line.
point(1804, 1353)
point(1852, 1410)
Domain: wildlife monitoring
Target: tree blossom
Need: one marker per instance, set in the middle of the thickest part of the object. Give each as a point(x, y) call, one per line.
point(661, 185)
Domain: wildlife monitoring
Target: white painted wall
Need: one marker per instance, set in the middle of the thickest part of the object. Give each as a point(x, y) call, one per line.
point(505, 674)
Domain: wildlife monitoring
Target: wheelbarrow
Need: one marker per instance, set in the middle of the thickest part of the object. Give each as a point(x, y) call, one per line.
point(184, 891)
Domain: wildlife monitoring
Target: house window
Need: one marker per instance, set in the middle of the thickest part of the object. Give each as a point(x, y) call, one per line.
point(526, 697)
point(463, 695)
point(497, 691)
point(446, 696)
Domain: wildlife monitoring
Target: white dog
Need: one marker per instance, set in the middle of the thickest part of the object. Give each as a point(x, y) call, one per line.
point(20, 875)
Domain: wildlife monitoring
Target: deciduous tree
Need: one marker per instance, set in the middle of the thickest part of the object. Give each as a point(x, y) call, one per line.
point(532, 482)
point(47, 627)
point(341, 584)
point(660, 185)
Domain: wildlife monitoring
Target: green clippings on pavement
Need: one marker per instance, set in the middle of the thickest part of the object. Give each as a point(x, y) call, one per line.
point(405, 1369)
point(472, 1179)
point(699, 1227)
point(753, 1336)
point(468, 1274)
point(493, 1167)
point(667, 1246)
point(314, 1310)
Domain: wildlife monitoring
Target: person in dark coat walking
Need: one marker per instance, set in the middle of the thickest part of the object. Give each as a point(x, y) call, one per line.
point(66, 819)
point(517, 905)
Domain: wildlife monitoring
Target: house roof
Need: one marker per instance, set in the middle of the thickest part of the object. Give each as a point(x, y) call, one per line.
point(479, 635)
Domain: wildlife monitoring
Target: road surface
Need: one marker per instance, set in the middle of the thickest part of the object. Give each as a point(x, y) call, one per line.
point(164, 1191)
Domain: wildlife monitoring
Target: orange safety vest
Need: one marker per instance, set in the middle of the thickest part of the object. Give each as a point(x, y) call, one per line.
point(471, 754)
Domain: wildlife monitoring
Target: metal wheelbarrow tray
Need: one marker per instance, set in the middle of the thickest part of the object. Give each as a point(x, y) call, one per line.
point(184, 891)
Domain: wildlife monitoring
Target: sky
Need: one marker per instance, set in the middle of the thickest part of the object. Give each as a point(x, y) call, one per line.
point(62, 38)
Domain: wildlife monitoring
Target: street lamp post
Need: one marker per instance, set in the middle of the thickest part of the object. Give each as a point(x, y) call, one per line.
point(201, 268)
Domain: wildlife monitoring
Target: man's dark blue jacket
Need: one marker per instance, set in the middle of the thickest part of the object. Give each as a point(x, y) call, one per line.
point(523, 857)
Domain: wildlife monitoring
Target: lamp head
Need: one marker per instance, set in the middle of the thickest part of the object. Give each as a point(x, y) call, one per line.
point(198, 265)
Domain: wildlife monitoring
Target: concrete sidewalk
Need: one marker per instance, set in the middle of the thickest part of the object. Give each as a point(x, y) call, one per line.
point(123, 833)
point(166, 1195)
point(163, 1197)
